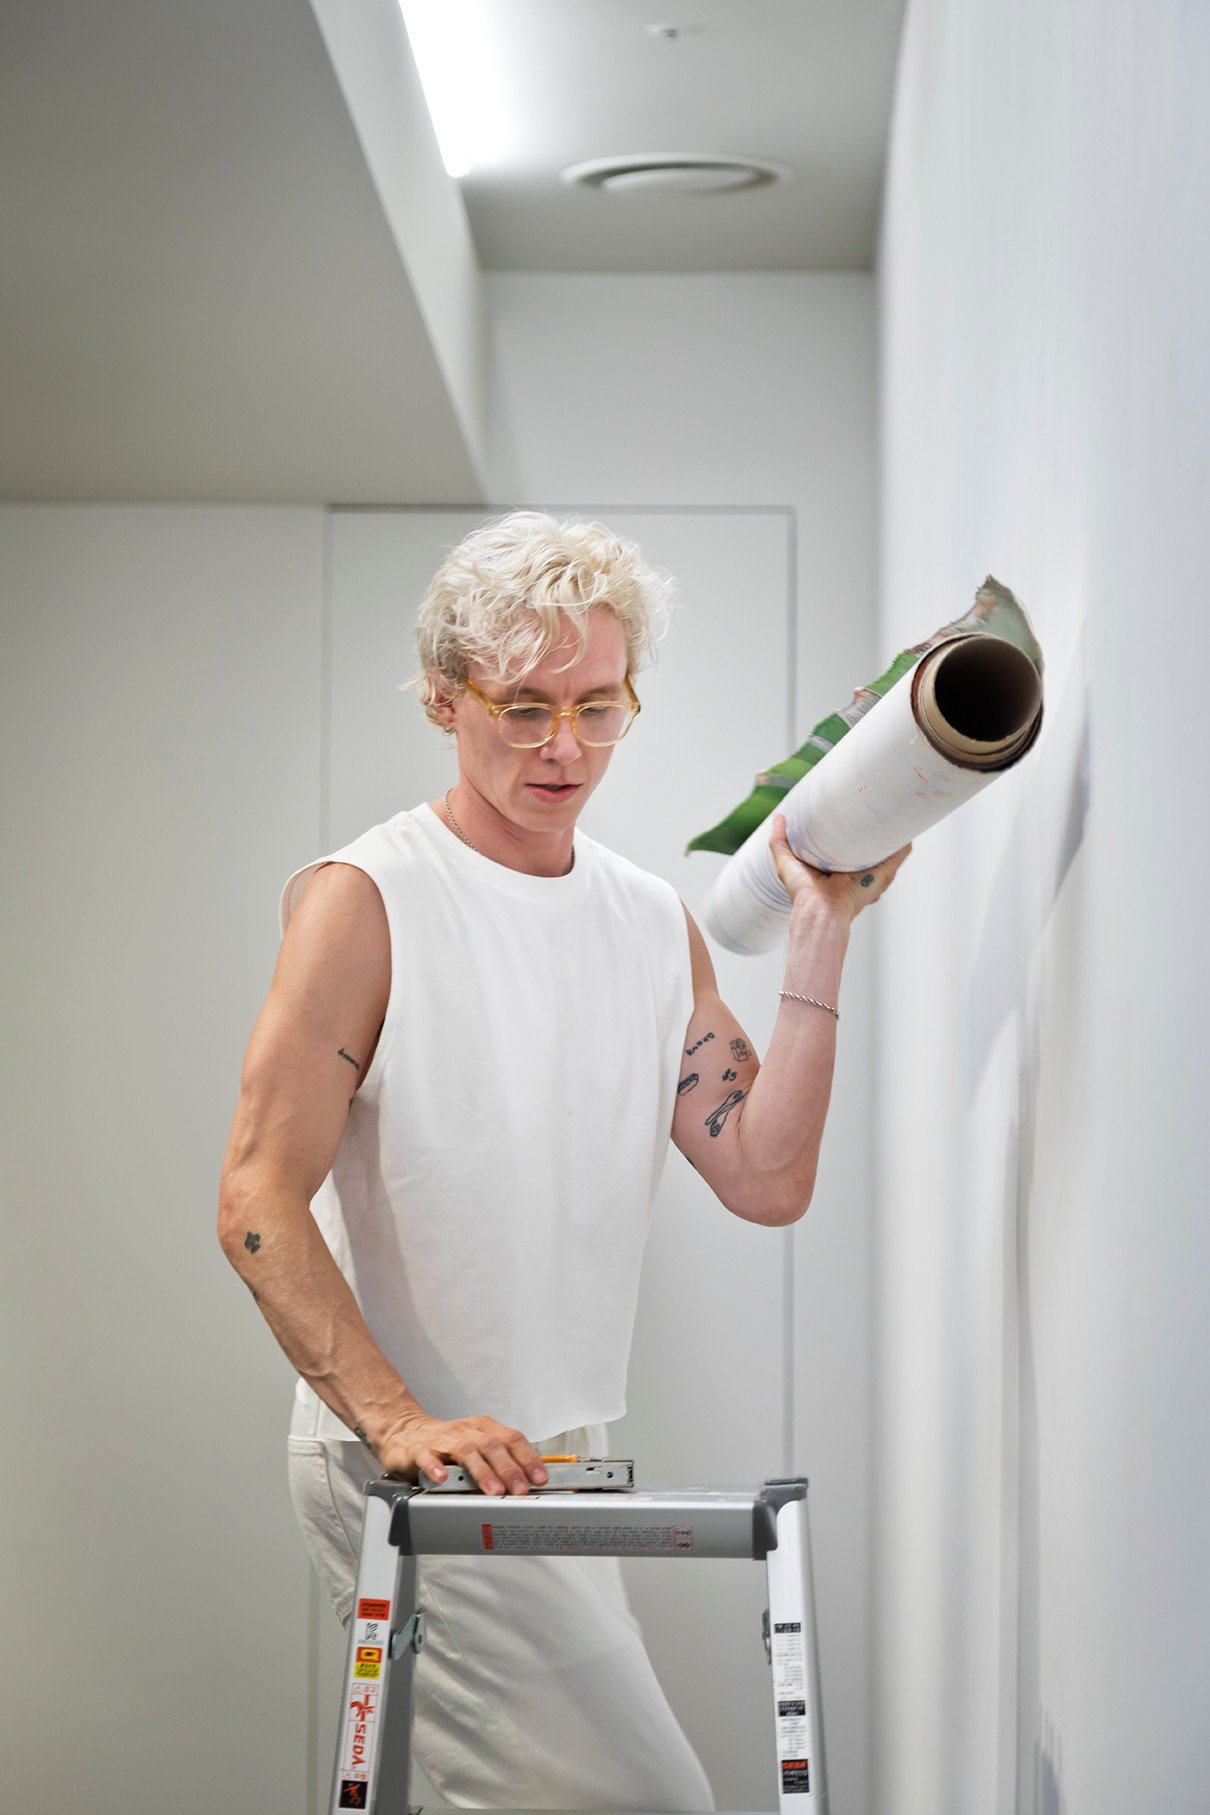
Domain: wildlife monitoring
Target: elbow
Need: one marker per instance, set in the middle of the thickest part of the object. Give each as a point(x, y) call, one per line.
point(233, 1225)
point(774, 1203)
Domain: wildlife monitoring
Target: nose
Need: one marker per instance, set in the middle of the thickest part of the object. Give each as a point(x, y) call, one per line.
point(563, 746)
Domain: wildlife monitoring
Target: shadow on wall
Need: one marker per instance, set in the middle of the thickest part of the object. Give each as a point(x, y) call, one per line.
point(1055, 807)
point(1048, 1797)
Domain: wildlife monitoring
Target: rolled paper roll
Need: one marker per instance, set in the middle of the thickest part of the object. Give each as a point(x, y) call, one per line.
point(968, 710)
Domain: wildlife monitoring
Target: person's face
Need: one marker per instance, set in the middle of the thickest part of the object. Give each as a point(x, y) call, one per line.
point(543, 789)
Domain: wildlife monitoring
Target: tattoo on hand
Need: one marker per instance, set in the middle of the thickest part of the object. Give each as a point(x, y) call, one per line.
point(867, 880)
point(690, 1050)
point(688, 1083)
point(251, 1242)
point(729, 1074)
point(342, 1054)
point(741, 1050)
point(714, 1121)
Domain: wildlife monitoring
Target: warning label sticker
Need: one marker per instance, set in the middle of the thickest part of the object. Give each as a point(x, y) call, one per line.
point(793, 1735)
point(373, 1610)
point(790, 1689)
point(795, 1777)
point(368, 1661)
point(358, 1739)
point(576, 1540)
point(353, 1793)
point(789, 1662)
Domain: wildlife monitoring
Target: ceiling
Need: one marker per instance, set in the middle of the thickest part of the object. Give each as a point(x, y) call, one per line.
point(807, 84)
point(226, 227)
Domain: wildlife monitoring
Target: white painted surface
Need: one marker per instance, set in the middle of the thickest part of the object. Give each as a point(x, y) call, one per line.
point(808, 87)
point(159, 745)
point(373, 63)
point(1043, 1376)
point(204, 295)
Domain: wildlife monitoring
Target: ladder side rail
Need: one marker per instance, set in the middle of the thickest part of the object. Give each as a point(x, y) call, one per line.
point(794, 1658)
point(373, 1745)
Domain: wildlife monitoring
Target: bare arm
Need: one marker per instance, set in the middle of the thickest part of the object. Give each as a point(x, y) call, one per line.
point(753, 1131)
point(311, 1046)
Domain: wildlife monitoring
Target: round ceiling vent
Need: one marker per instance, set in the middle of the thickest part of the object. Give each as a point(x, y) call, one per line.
point(675, 173)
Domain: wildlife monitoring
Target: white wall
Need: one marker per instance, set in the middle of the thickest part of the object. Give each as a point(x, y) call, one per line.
point(742, 390)
point(1042, 1604)
point(159, 743)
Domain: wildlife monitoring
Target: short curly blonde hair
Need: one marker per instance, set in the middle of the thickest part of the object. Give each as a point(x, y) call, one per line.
point(505, 595)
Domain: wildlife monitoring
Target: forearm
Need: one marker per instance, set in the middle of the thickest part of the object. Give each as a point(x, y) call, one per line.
point(781, 1126)
point(271, 1239)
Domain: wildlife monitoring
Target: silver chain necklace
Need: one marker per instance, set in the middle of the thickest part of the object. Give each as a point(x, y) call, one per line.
point(456, 829)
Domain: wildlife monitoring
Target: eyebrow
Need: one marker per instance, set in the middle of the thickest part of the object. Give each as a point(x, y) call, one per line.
point(607, 689)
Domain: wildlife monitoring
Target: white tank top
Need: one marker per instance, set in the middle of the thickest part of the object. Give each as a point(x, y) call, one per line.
point(491, 1196)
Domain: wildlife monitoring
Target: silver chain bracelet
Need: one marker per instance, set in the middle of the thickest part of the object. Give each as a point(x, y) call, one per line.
point(811, 1002)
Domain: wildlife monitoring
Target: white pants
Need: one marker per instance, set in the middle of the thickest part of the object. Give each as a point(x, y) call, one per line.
point(533, 1690)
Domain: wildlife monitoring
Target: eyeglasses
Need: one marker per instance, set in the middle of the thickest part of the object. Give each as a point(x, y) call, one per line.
point(596, 723)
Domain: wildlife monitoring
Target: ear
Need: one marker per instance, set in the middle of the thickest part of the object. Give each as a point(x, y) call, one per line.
point(443, 697)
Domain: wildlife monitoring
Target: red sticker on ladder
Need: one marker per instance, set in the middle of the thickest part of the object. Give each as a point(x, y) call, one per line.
point(373, 1610)
point(489, 1542)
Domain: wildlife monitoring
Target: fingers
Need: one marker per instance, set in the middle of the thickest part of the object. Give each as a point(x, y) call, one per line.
point(498, 1459)
point(790, 869)
point(858, 888)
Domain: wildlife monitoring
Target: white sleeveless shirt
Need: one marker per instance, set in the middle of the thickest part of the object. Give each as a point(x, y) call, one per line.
point(491, 1196)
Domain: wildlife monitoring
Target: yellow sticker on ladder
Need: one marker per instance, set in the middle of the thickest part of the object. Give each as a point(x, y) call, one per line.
point(369, 1661)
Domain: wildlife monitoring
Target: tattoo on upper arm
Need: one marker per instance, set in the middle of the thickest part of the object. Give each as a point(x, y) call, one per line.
point(688, 1083)
point(729, 1074)
point(741, 1050)
point(342, 1054)
point(251, 1242)
point(715, 1120)
point(690, 1050)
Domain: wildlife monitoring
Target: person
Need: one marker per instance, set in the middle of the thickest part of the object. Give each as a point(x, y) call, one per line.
point(454, 1112)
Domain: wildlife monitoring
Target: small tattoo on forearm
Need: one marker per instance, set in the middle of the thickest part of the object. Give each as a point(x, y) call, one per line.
point(688, 1083)
point(729, 1074)
point(251, 1242)
point(342, 1054)
point(715, 1120)
point(741, 1050)
point(690, 1050)
point(867, 880)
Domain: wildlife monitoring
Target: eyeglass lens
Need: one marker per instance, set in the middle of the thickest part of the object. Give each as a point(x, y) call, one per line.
point(598, 722)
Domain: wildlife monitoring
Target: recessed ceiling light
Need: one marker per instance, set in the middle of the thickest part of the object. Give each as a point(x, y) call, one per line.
point(675, 173)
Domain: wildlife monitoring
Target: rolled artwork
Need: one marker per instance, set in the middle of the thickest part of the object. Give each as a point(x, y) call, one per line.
point(964, 712)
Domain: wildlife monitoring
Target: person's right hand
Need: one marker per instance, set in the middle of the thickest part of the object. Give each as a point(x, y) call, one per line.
point(498, 1458)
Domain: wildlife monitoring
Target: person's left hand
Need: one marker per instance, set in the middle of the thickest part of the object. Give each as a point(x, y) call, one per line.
point(844, 892)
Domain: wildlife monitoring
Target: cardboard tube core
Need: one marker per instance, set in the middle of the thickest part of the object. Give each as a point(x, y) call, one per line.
point(978, 700)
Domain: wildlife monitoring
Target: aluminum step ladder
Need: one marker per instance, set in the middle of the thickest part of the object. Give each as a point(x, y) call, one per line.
point(401, 1523)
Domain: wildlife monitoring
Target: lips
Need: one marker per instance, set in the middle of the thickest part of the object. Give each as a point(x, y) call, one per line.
point(553, 790)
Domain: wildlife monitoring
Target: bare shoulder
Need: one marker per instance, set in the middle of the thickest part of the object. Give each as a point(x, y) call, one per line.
point(335, 958)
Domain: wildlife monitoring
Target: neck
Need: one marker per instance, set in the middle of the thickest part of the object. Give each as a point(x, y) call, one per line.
point(487, 831)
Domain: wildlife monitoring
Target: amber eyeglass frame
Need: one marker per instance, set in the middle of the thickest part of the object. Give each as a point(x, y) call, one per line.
point(558, 714)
